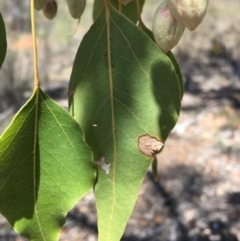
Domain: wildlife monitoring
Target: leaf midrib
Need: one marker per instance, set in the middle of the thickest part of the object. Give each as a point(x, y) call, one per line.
point(108, 17)
point(35, 143)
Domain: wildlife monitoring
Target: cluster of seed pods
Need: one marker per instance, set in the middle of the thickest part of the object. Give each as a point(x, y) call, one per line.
point(172, 17)
point(49, 7)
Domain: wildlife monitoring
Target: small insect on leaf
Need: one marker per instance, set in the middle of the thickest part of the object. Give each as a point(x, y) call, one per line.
point(149, 145)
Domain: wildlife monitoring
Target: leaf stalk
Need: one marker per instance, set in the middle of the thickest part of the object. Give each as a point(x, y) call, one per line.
point(35, 58)
point(139, 13)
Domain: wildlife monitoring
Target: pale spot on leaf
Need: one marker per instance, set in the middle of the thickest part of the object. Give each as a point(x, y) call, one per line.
point(103, 164)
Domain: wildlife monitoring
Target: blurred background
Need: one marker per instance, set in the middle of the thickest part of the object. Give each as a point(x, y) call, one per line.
point(197, 197)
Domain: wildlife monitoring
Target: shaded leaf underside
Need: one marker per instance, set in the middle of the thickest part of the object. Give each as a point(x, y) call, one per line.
point(117, 97)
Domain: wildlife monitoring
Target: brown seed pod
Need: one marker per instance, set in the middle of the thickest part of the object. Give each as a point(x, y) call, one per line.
point(188, 12)
point(39, 4)
point(167, 31)
point(76, 7)
point(50, 9)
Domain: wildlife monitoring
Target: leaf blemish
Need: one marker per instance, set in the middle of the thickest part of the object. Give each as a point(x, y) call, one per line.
point(149, 145)
point(102, 163)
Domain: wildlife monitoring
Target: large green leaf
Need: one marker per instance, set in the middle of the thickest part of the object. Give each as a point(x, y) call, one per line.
point(3, 41)
point(45, 168)
point(129, 10)
point(117, 97)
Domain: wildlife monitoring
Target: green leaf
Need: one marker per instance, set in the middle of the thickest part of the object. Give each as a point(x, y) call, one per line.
point(178, 71)
point(129, 10)
point(169, 54)
point(147, 31)
point(117, 97)
point(45, 168)
point(3, 41)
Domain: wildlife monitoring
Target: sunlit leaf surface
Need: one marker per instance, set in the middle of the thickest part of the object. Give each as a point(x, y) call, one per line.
point(45, 168)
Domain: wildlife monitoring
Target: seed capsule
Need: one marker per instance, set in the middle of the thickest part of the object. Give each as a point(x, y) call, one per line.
point(167, 31)
point(188, 12)
point(76, 7)
point(50, 9)
point(39, 4)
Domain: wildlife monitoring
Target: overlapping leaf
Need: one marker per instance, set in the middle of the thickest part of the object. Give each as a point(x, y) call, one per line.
point(3, 41)
point(117, 97)
point(170, 56)
point(45, 168)
point(130, 10)
point(178, 71)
